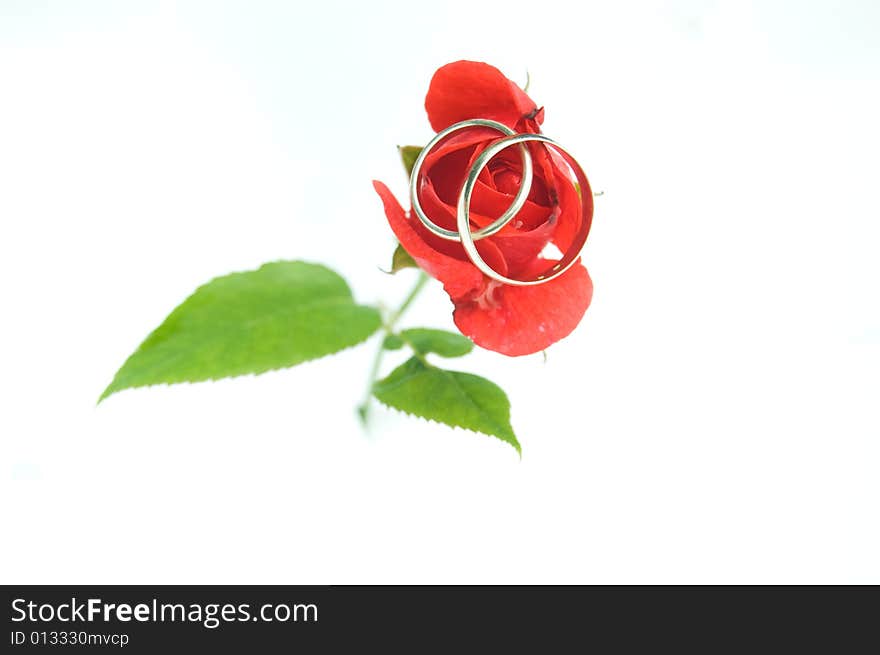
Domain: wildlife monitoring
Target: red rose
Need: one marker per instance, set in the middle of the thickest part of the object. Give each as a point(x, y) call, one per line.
point(512, 320)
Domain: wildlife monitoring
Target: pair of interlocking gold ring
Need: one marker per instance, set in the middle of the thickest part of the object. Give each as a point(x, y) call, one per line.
point(468, 236)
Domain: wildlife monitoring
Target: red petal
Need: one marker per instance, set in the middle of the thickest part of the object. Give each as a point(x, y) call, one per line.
point(471, 89)
point(520, 248)
point(524, 320)
point(486, 202)
point(460, 278)
point(571, 215)
point(507, 252)
point(459, 141)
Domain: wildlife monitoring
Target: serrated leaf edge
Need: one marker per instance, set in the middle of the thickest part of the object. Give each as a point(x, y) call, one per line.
point(106, 395)
point(109, 391)
point(515, 444)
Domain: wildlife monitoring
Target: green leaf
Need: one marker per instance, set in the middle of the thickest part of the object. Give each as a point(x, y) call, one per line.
point(408, 155)
point(393, 342)
point(401, 259)
point(279, 315)
point(441, 342)
point(450, 397)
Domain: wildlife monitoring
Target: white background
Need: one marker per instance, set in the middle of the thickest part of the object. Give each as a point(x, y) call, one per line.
point(713, 419)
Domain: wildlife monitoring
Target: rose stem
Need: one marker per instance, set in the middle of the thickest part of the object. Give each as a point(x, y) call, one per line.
point(393, 318)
